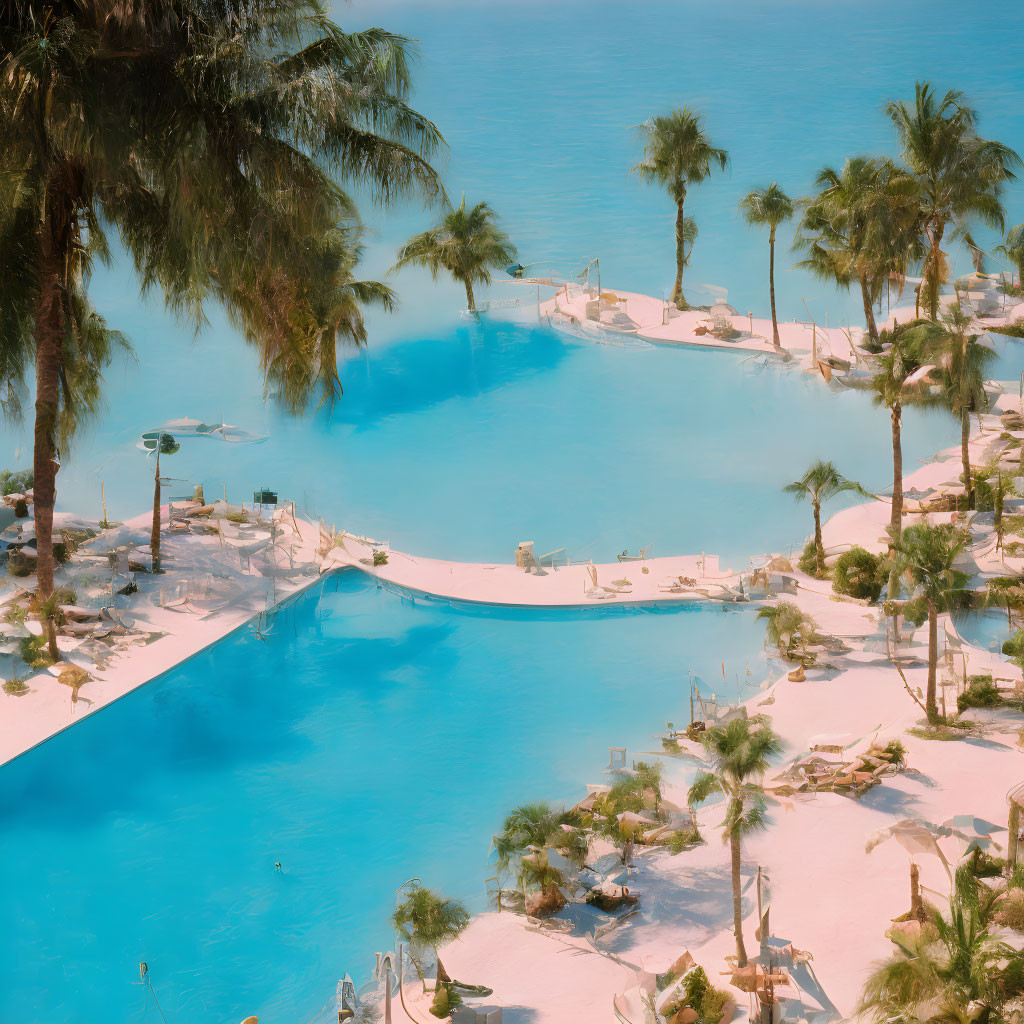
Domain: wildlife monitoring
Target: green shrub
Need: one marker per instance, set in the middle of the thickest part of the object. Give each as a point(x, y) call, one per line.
point(981, 692)
point(21, 509)
point(1011, 909)
point(20, 565)
point(380, 558)
point(34, 651)
point(1014, 648)
point(445, 1000)
point(703, 997)
point(15, 483)
point(857, 573)
point(15, 687)
point(896, 750)
point(984, 865)
point(808, 560)
point(684, 839)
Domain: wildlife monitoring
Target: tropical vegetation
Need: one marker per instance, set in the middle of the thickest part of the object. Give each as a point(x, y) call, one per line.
point(427, 921)
point(677, 153)
point(217, 143)
point(819, 484)
point(959, 175)
point(468, 244)
point(953, 968)
point(768, 207)
point(925, 555)
point(738, 755)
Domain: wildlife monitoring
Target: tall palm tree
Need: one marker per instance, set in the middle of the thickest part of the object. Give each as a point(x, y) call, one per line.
point(964, 362)
point(960, 175)
point(861, 227)
point(1013, 249)
point(468, 244)
point(954, 970)
point(769, 206)
point(906, 352)
point(924, 555)
point(677, 154)
point(427, 920)
point(819, 484)
point(738, 754)
point(217, 142)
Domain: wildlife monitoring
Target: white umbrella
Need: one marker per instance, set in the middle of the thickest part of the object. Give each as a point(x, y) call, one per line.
point(973, 833)
point(915, 836)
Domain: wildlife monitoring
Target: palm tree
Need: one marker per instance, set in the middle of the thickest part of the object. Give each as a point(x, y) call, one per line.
point(739, 755)
point(468, 244)
point(165, 445)
point(925, 554)
point(960, 175)
point(789, 628)
point(819, 484)
point(907, 351)
point(953, 970)
point(861, 227)
point(1013, 250)
point(218, 143)
point(963, 370)
point(527, 826)
point(427, 920)
point(769, 206)
point(677, 154)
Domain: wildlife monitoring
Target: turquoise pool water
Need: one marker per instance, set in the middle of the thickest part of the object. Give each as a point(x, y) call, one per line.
point(987, 629)
point(367, 739)
point(150, 832)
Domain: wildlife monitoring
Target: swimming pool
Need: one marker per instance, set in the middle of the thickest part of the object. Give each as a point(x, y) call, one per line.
point(367, 739)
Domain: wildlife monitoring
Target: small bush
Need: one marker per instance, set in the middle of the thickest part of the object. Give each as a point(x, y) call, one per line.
point(898, 752)
point(21, 509)
point(984, 865)
point(34, 651)
point(808, 560)
point(17, 482)
point(857, 574)
point(684, 839)
point(1011, 910)
point(65, 595)
point(380, 558)
point(445, 1000)
point(15, 687)
point(942, 731)
point(981, 692)
point(20, 565)
point(1014, 648)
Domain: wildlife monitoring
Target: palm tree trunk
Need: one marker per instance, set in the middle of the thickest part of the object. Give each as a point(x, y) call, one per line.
point(932, 274)
point(442, 974)
point(819, 547)
point(49, 338)
point(931, 706)
point(896, 519)
point(737, 900)
point(470, 303)
point(154, 533)
point(965, 456)
point(677, 289)
point(771, 287)
point(869, 312)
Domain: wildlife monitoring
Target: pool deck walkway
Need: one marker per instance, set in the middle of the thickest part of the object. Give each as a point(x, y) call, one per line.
point(653, 580)
point(644, 317)
point(179, 618)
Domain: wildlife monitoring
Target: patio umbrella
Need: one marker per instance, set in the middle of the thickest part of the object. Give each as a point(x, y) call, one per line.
point(974, 833)
point(915, 836)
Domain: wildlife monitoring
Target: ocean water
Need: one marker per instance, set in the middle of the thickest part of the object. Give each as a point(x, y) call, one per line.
point(369, 739)
point(365, 740)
